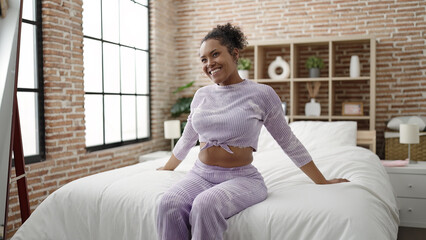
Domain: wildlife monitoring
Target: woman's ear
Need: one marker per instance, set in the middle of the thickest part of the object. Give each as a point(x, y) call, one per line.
point(236, 54)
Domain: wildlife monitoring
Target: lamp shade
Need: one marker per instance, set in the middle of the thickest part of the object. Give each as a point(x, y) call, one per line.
point(172, 129)
point(408, 133)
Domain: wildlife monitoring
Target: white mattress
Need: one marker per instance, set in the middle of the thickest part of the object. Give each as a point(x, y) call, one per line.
point(122, 203)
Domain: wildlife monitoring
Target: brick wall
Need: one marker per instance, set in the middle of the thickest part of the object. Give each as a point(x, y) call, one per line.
point(176, 30)
point(399, 26)
point(66, 156)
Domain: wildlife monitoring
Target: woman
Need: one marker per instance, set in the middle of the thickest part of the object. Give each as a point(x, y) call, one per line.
point(226, 118)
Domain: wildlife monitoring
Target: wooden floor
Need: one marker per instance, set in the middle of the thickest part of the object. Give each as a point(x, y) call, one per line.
point(405, 233)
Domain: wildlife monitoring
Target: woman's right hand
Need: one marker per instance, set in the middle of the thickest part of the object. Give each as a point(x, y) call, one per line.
point(171, 164)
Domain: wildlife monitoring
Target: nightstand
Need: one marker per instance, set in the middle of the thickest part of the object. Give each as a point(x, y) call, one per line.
point(409, 184)
point(154, 156)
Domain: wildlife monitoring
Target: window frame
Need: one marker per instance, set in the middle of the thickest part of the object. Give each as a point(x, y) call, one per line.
point(37, 23)
point(104, 145)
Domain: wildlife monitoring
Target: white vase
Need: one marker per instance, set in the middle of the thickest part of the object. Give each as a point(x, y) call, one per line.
point(279, 62)
point(354, 70)
point(244, 74)
point(312, 108)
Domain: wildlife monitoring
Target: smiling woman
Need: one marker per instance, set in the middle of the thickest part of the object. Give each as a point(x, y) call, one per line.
point(226, 118)
point(219, 55)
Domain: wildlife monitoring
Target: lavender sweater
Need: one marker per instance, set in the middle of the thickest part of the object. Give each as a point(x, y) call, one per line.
point(233, 115)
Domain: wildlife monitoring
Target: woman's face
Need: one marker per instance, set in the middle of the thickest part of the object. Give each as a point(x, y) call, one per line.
point(218, 64)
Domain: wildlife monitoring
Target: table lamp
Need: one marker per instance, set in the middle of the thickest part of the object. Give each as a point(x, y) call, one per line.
point(172, 131)
point(409, 134)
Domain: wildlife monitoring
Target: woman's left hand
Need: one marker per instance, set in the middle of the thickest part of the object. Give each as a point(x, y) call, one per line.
point(337, 180)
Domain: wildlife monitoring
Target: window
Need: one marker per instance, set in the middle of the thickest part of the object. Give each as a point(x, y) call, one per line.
point(116, 72)
point(30, 87)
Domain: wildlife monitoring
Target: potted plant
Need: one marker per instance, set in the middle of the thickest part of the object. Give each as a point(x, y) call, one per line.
point(314, 64)
point(183, 104)
point(244, 66)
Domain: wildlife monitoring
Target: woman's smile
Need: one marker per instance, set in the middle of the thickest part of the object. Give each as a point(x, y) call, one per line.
point(215, 71)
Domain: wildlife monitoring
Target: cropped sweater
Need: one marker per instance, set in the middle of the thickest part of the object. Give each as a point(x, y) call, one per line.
point(233, 115)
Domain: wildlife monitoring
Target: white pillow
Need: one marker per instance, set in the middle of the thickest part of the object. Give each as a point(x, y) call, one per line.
point(319, 135)
point(314, 135)
point(396, 121)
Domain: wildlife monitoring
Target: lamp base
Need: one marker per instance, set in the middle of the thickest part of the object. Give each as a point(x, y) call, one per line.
point(172, 144)
point(412, 162)
point(409, 156)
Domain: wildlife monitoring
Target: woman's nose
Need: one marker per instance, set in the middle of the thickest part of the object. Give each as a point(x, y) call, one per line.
point(210, 63)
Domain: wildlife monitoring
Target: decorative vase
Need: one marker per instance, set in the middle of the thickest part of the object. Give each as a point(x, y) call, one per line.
point(244, 74)
point(354, 70)
point(279, 62)
point(314, 72)
point(312, 108)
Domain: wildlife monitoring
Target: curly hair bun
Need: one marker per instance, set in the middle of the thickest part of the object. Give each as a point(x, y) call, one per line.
point(229, 36)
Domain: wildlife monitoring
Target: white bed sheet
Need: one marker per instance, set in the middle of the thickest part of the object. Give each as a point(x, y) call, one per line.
point(121, 204)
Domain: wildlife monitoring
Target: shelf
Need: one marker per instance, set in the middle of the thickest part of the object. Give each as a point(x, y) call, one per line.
point(321, 79)
point(271, 80)
point(301, 117)
point(350, 117)
point(336, 85)
point(350, 79)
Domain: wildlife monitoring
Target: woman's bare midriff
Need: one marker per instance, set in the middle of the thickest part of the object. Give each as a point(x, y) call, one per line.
point(217, 156)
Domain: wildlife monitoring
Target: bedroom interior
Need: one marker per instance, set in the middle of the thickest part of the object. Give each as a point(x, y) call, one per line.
point(387, 37)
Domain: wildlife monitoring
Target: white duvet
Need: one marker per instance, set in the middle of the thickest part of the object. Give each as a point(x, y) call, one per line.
point(122, 203)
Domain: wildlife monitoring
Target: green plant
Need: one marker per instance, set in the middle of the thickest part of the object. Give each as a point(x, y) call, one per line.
point(244, 64)
point(314, 62)
point(183, 104)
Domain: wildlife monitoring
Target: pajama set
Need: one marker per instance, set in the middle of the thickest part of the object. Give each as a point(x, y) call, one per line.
point(197, 207)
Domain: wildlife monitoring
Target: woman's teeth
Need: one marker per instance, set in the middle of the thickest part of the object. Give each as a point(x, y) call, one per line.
point(215, 71)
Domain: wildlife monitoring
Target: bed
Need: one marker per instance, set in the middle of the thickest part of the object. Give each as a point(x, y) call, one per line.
point(121, 204)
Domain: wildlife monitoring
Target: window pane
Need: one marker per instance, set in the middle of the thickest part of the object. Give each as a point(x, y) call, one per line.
point(142, 72)
point(127, 70)
point(111, 68)
point(28, 114)
point(28, 10)
point(27, 61)
point(141, 31)
point(129, 117)
point(143, 116)
point(127, 23)
point(92, 53)
point(110, 20)
point(92, 18)
point(94, 120)
point(112, 119)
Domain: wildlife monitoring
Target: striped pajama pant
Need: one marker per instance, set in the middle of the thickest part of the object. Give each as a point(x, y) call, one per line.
point(199, 204)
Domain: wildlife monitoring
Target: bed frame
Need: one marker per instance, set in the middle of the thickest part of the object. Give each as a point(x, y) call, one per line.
point(367, 138)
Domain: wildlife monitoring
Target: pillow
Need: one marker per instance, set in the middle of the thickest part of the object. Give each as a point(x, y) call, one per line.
point(419, 121)
point(314, 135)
point(319, 135)
point(396, 121)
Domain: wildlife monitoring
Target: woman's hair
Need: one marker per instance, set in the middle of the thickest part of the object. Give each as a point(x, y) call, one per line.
point(229, 36)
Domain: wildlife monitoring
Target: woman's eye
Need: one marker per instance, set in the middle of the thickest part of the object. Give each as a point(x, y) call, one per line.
point(203, 60)
point(215, 54)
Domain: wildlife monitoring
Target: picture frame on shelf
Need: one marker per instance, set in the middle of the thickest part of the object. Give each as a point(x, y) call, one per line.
point(352, 109)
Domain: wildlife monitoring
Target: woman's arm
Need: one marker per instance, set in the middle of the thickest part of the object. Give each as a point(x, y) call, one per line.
point(171, 164)
point(311, 170)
